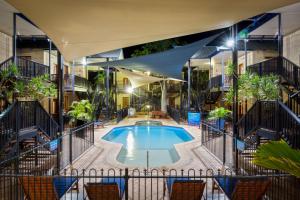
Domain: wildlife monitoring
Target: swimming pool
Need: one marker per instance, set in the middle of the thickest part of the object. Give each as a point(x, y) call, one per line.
point(151, 146)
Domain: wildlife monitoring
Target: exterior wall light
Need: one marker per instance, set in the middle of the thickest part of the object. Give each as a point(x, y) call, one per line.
point(230, 43)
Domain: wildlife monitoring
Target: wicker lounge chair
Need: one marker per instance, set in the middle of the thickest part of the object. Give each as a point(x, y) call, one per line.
point(185, 188)
point(108, 189)
point(42, 188)
point(243, 189)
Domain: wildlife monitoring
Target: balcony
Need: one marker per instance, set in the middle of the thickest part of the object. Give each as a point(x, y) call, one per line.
point(216, 82)
point(73, 82)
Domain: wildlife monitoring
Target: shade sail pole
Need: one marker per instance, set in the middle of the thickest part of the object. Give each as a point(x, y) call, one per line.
point(189, 85)
point(107, 91)
point(235, 91)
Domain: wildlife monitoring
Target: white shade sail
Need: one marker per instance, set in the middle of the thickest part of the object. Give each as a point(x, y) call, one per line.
point(138, 79)
point(80, 28)
point(167, 63)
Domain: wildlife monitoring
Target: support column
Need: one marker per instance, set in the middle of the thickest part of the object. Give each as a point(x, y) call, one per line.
point(189, 86)
point(280, 39)
point(235, 91)
point(223, 78)
point(15, 37)
point(60, 104)
point(49, 72)
point(116, 89)
point(107, 92)
point(246, 53)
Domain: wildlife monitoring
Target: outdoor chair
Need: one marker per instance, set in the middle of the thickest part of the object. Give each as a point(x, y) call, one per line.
point(99, 123)
point(184, 188)
point(243, 189)
point(107, 189)
point(47, 187)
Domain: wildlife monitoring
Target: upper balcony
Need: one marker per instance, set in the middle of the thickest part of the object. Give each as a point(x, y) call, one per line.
point(73, 82)
point(216, 82)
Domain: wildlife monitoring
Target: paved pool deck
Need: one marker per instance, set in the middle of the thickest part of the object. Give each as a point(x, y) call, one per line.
point(104, 153)
point(192, 156)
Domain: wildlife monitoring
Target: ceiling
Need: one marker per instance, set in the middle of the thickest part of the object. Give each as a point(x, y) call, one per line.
point(290, 16)
point(81, 28)
point(6, 22)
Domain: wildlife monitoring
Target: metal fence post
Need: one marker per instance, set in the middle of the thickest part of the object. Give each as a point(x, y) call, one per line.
point(224, 148)
point(126, 177)
point(70, 147)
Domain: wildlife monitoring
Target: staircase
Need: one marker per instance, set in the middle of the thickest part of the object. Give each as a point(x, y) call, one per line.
point(274, 119)
point(25, 123)
point(271, 120)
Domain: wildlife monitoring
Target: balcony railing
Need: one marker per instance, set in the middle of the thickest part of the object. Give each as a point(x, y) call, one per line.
point(27, 68)
point(216, 82)
point(71, 81)
point(280, 66)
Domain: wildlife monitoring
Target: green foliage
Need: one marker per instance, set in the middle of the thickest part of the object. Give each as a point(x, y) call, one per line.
point(278, 155)
point(8, 81)
point(229, 69)
point(36, 88)
point(219, 113)
point(254, 87)
point(155, 47)
point(81, 110)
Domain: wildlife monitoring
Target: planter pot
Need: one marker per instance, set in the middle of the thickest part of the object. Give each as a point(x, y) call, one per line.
point(220, 123)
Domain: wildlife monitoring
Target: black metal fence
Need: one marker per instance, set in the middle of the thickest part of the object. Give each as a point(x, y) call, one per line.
point(121, 114)
point(153, 184)
point(50, 157)
point(218, 142)
point(73, 145)
point(174, 114)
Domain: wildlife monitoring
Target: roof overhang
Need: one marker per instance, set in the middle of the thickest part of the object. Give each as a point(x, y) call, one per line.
point(82, 28)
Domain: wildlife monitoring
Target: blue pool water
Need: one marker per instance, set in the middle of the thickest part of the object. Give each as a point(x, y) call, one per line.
point(156, 141)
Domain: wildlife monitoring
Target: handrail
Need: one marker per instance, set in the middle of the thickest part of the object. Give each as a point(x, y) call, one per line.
point(39, 104)
point(5, 61)
point(291, 113)
point(7, 110)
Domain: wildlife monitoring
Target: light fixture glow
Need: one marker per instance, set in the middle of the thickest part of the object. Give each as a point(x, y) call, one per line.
point(129, 90)
point(148, 106)
point(83, 62)
point(230, 43)
point(148, 73)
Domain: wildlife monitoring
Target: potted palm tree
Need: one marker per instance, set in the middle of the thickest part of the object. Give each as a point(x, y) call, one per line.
point(81, 112)
point(219, 114)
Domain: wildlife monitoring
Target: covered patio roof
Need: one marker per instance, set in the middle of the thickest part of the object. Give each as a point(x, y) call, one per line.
point(82, 28)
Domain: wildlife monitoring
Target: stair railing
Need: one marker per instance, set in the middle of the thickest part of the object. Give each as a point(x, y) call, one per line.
point(271, 115)
point(7, 125)
point(293, 103)
point(5, 64)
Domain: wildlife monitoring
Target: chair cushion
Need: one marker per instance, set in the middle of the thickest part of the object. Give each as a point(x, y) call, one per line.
point(227, 184)
point(63, 184)
point(119, 181)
